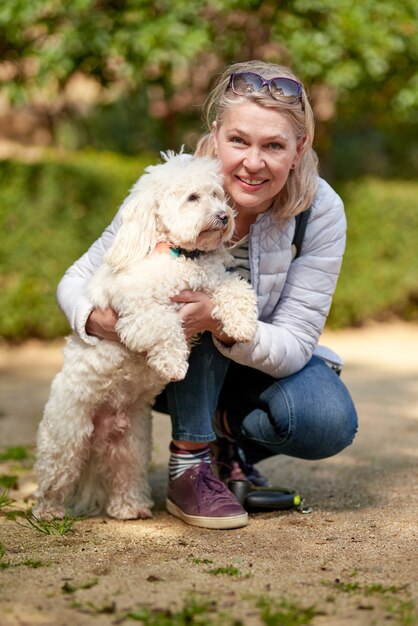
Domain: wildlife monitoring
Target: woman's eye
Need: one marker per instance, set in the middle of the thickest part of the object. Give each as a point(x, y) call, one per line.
point(237, 140)
point(274, 145)
point(193, 197)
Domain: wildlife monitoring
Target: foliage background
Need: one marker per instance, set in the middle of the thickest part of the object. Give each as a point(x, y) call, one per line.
point(128, 77)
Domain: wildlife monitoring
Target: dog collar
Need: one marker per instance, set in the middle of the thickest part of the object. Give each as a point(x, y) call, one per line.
point(165, 248)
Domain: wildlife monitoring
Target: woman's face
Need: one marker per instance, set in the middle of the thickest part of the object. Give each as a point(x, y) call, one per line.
point(257, 147)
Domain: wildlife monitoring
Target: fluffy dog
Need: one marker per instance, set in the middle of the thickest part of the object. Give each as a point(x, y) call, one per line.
point(94, 441)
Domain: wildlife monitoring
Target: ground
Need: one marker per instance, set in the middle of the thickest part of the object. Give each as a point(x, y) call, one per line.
point(352, 561)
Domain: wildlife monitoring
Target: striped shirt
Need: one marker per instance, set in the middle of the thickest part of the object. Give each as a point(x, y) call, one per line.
point(239, 251)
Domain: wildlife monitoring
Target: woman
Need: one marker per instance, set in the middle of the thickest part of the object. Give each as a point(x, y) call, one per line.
point(274, 396)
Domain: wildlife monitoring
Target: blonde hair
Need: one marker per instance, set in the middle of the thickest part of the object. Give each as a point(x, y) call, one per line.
point(301, 185)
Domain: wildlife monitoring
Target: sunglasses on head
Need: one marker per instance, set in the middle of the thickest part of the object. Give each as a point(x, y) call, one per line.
point(245, 83)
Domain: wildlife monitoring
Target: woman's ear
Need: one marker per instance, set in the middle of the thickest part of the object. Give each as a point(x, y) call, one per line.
point(299, 152)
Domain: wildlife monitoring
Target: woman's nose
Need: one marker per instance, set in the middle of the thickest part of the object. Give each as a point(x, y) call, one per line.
point(253, 160)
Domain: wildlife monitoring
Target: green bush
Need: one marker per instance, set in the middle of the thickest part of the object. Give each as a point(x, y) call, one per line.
point(52, 210)
point(379, 276)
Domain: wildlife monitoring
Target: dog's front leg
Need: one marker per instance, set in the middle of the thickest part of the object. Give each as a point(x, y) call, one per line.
point(159, 333)
point(235, 306)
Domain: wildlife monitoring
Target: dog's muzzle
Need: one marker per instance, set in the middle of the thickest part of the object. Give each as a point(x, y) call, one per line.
point(222, 218)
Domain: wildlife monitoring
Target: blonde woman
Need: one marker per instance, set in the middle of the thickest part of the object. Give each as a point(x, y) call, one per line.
point(276, 395)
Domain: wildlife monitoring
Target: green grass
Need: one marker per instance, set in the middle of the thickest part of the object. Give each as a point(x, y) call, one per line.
point(228, 570)
point(18, 453)
point(4, 499)
point(69, 587)
point(193, 613)
point(8, 481)
point(198, 612)
point(106, 608)
point(285, 613)
point(34, 564)
point(394, 600)
point(403, 612)
point(26, 519)
point(366, 590)
point(54, 526)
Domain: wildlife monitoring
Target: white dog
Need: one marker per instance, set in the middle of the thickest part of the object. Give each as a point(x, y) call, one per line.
point(94, 441)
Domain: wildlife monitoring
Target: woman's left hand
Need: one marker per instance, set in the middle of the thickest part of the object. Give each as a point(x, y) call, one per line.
point(196, 315)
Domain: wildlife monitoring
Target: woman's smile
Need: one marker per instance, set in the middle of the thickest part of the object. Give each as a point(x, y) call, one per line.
point(251, 182)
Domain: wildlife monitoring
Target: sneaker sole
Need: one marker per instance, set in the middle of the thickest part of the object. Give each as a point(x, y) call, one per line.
point(218, 523)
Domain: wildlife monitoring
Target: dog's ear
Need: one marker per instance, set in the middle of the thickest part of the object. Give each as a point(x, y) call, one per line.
point(136, 236)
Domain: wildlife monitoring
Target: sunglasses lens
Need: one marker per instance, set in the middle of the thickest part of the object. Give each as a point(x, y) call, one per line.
point(246, 82)
point(284, 87)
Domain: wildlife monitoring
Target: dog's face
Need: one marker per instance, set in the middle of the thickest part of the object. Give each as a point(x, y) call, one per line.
point(193, 212)
point(196, 216)
point(181, 202)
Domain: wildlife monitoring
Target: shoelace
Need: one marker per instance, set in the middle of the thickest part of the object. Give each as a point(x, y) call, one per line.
point(207, 479)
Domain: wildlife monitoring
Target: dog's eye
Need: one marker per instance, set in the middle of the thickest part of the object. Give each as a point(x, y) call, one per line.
point(216, 195)
point(193, 197)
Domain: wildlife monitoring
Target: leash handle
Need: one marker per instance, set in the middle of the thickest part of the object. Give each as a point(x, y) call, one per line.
point(257, 499)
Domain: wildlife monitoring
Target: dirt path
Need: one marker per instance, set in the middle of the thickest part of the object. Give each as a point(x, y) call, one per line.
point(353, 561)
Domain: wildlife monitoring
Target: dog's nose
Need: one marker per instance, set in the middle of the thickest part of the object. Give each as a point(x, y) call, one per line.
point(223, 218)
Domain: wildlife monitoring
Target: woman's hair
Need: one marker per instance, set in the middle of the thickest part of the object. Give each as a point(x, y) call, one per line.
point(300, 188)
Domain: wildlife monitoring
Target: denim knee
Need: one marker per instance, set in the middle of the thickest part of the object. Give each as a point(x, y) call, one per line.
point(309, 415)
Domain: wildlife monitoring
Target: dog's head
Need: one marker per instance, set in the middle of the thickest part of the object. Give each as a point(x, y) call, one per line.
point(180, 201)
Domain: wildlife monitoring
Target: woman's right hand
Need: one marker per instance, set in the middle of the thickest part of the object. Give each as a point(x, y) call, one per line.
point(101, 323)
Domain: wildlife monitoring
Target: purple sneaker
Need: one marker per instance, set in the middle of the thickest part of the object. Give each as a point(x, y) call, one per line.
point(200, 499)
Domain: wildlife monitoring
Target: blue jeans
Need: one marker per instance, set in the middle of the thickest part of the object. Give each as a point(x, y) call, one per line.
point(309, 415)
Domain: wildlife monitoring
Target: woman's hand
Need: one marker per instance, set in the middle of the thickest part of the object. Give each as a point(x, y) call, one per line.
point(101, 323)
point(196, 315)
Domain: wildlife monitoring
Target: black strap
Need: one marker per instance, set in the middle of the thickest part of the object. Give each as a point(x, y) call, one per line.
point(300, 227)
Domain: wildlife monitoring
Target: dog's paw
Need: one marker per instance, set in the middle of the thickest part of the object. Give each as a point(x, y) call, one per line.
point(181, 371)
point(169, 371)
point(128, 510)
point(235, 307)
point(46, 511)
point(242, 331)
